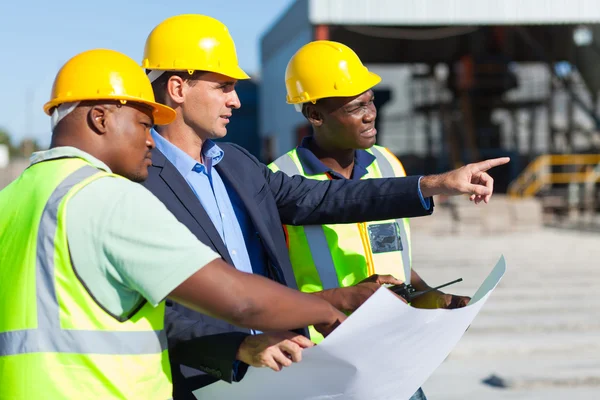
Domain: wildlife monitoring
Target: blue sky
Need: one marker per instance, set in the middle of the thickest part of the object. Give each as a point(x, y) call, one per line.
point(37, 37)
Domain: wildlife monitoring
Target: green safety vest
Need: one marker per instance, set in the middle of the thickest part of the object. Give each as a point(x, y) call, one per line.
point(341, 255)
point(56, 341)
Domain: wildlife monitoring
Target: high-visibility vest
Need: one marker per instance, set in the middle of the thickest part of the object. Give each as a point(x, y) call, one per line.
point(340, 255)
point(56, 341)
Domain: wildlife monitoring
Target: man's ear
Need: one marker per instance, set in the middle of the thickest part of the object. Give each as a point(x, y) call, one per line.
point(98, 118)
point(175, 89)
point(313, 115)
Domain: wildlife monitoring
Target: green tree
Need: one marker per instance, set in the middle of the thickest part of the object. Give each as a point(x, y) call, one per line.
point(5, 138)
point(28, 146)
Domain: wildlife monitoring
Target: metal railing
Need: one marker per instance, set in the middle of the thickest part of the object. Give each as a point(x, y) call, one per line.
point(540, 173)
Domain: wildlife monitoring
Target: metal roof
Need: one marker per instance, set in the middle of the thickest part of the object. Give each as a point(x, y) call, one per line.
point(453, 12)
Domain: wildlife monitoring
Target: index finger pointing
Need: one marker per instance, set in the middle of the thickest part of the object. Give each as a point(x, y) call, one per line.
point(489, 164)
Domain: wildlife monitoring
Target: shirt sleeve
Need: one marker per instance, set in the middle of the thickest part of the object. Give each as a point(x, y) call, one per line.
point(426, 202)
point(121, 234)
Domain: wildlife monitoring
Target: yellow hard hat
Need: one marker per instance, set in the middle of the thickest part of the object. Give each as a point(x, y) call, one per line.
point(192, 42)
point(105, 75)
point(322, 69)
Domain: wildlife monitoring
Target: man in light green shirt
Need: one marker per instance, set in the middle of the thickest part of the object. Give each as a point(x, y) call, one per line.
point(82, 247)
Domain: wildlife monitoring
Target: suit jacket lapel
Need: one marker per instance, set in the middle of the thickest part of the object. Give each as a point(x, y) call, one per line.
point(188, 198)
point(254, 213)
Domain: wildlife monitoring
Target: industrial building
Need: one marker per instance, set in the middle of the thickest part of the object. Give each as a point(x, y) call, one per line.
point(462, 79)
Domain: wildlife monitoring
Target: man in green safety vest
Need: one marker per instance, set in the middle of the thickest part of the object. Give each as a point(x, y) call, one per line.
point(328, 83)
point(85, 271)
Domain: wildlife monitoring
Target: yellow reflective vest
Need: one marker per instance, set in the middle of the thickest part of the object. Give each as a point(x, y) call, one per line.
point(340, 255)
point(56, 341)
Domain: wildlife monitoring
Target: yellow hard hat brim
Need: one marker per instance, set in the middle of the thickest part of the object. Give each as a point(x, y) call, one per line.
point(163, 115)
point(370, 82)
point(236, 73)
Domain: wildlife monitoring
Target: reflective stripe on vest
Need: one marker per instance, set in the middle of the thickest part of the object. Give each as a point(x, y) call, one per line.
point(286, 164)
point(315, 234)
point(387, 171)
point(49, 337)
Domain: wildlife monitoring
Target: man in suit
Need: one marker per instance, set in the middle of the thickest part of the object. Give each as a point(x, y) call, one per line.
point(236, 205)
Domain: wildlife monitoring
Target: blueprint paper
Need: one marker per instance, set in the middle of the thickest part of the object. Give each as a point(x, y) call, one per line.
point(384, 350)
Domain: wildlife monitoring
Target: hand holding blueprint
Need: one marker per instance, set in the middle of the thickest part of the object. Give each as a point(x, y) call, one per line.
point(384, 350)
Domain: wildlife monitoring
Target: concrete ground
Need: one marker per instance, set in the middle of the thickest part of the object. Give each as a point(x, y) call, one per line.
point(538, 336)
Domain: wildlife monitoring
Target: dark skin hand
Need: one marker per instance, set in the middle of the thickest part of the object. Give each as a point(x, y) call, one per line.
point(436, 298)
point(348, 299)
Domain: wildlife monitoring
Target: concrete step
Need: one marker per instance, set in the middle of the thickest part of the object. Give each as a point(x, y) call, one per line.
point(528, 322)
point(500, 345)
point(459, 216)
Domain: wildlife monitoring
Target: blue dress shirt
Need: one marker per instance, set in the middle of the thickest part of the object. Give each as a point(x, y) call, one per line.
point(222, 204)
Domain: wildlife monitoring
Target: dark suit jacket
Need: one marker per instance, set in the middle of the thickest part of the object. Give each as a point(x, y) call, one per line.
point(271, 199)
